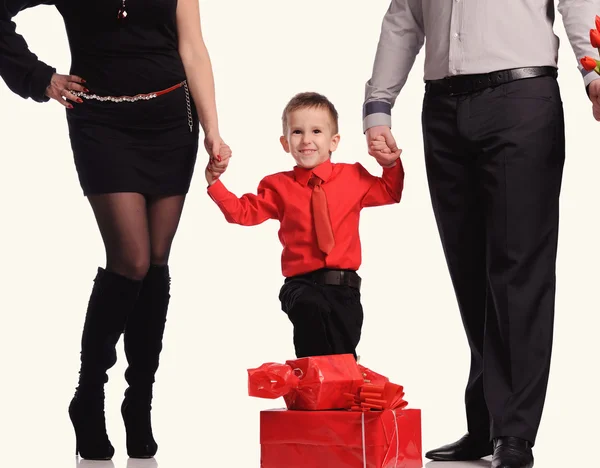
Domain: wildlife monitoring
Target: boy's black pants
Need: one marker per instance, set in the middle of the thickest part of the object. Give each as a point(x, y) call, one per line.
point(325, 310)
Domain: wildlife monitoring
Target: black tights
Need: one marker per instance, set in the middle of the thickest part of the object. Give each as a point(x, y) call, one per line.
point(137, 231)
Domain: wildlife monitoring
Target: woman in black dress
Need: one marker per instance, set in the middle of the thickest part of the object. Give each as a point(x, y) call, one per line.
point(140, 85)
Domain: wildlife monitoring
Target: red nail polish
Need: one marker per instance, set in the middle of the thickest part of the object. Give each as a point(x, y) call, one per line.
point(86, 90)
point(218, 158)
point(83, 81)
point(79, 100)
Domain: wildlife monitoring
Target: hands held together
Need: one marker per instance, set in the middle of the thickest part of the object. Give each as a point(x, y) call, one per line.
point(382, 146)
point(219, 155)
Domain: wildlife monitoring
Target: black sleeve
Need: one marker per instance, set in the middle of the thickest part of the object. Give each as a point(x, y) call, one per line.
point(20, 68)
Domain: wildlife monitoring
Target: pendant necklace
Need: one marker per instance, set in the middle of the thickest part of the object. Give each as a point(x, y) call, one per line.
point(122, 12)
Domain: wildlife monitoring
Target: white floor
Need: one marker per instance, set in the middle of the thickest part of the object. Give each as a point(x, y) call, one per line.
point(484, 463)
point(214, 451)
point(164, 462)
point(154, 463)
point(173, 462)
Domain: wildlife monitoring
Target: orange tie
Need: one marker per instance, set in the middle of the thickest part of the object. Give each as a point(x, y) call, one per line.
point(321, 216)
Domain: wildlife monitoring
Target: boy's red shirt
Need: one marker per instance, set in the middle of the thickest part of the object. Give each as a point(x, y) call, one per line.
point(286, 196)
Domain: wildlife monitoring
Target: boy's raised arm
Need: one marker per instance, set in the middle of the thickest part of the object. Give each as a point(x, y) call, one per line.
point(249, 209)
point(386, 189)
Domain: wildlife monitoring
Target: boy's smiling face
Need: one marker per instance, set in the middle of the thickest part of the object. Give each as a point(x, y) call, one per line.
point(309, 137)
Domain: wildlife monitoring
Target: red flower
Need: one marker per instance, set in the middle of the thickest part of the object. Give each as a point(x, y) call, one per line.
point(595, 38)
point(588, 63)
point(598, 22)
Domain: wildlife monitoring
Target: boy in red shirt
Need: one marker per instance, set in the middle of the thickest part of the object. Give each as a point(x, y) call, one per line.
point(318, 205)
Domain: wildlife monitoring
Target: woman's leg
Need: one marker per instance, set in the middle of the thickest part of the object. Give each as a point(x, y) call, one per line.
point(145, 327)
point(123, 224)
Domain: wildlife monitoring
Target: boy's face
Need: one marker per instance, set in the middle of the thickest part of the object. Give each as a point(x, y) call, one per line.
point(310, 138)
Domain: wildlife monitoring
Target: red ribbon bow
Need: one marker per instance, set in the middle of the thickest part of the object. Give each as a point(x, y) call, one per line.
point(272, 380)
point(376, 394)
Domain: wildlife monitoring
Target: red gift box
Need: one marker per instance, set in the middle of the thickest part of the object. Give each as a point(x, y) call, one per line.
point(341, 439)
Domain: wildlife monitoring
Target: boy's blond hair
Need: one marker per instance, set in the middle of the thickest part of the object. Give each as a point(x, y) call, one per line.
point(307, 100)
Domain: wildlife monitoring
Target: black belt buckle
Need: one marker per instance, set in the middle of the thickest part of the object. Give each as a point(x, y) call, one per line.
point(456, 85)
point(338, 278)
point(449, 84)
point(349, 278)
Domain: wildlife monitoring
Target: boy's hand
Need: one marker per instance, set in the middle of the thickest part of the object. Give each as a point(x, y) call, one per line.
point(379, 148)
point(217, 166)
point(374, 134)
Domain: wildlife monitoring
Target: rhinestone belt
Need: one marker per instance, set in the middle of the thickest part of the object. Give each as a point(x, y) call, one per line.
point(143, 97)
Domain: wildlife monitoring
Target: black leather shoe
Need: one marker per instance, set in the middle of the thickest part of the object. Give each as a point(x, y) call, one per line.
point(512, 452)
point(467, 448)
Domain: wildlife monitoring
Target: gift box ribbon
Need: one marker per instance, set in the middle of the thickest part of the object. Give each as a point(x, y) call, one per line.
point(370, 397)
point(364, 438)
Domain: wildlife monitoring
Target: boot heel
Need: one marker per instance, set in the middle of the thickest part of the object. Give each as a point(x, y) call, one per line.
point(139, 438)
point(91, 440)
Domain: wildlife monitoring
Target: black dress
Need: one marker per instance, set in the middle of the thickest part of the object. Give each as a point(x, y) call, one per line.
point(147, 146)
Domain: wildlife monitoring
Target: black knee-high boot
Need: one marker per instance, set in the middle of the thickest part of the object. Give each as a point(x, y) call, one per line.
point(113, 298)
point(143, 344)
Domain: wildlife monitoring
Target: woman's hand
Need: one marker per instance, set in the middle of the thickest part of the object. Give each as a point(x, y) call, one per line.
point(60, 88)
point(213, 143)
point(217, 165)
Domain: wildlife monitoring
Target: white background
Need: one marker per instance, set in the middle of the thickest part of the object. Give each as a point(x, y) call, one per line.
point(225, 316)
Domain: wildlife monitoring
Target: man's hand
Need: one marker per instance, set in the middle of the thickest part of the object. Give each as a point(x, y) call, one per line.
point(217, 165)
point(594, 90)
point(60, 88)
point(382, 145)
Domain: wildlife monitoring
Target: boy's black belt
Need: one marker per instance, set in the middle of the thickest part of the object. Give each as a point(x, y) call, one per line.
point(333, 277)
point(463, 84)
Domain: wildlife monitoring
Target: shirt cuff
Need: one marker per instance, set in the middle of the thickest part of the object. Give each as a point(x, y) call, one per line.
point(217, 191)
point(394, 164)
point(375, 120)
point(376, 113)
point(588, 77)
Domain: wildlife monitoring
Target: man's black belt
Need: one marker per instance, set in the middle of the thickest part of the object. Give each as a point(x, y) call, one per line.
point(332, 277)
point(464, 84)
